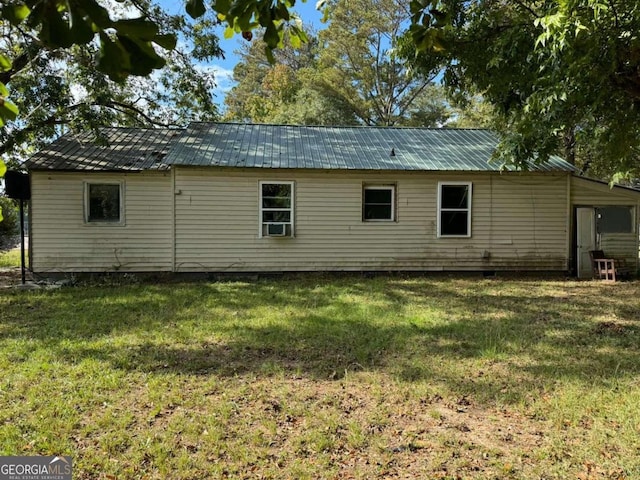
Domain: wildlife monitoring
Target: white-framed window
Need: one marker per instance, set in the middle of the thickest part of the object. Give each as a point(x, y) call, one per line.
point(454, 209)
point(276, 209)
point(104, 203)
point(378, 203)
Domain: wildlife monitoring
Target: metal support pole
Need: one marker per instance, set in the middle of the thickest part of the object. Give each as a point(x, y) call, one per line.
point(22, 240)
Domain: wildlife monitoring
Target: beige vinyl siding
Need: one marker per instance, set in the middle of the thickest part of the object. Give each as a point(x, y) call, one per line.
point(588, 193)
point(61, 241)
point(518, 222)
point(618, 245)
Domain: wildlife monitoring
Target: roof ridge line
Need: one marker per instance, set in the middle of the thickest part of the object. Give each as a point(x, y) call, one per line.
point(355, 127)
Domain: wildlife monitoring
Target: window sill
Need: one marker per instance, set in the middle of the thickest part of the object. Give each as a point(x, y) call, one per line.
point(104, 224)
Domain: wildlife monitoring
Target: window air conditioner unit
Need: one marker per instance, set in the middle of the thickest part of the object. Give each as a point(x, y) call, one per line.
point(277, 229)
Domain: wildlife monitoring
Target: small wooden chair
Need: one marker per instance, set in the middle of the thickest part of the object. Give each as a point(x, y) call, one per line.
point(605, 268)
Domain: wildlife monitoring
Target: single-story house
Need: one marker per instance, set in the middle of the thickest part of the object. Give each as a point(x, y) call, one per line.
point(223, 197)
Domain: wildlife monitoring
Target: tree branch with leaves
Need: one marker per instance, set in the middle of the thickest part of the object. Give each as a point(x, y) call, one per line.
point(119, 47)
point(563, 76)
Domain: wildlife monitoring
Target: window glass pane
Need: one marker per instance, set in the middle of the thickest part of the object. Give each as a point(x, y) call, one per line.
point(453, 223)
point(104, 203)
point(614, 220)
point(454, 196)
point(276, 190)
point(277, 216)
point(276, 202)
point(379, 196)
point(378, 203)
point(377, 212)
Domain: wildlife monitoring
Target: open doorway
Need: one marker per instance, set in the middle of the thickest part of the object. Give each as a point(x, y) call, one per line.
point(607, 227)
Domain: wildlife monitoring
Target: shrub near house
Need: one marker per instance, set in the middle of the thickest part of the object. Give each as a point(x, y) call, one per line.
point(10, 223)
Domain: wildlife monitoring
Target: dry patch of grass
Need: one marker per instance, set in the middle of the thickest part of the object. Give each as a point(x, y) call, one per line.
point(321, 377)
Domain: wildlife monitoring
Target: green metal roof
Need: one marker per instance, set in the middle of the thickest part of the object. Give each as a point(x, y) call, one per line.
point(340, 148)
point(278, 146)
point(121, 149)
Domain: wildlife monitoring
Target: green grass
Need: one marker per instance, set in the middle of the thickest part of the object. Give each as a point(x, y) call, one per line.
point(10, 258)
point(324, 377)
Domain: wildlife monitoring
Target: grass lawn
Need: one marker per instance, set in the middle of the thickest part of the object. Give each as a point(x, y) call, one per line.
point(324, 377)
point(10, 258)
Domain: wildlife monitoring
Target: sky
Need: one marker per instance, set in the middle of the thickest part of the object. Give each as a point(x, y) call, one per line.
point(223, 68)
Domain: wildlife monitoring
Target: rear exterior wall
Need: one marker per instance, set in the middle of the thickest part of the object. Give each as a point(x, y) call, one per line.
point(519, 222)
point(62, 241)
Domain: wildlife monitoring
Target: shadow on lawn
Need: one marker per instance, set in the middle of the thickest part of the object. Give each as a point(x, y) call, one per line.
point(520, 340)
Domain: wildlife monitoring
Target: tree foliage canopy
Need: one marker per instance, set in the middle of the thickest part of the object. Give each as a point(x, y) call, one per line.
point(349, 73)
point(283, 92)
point(563, 76)
point(360, 65)
point(62, 87)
